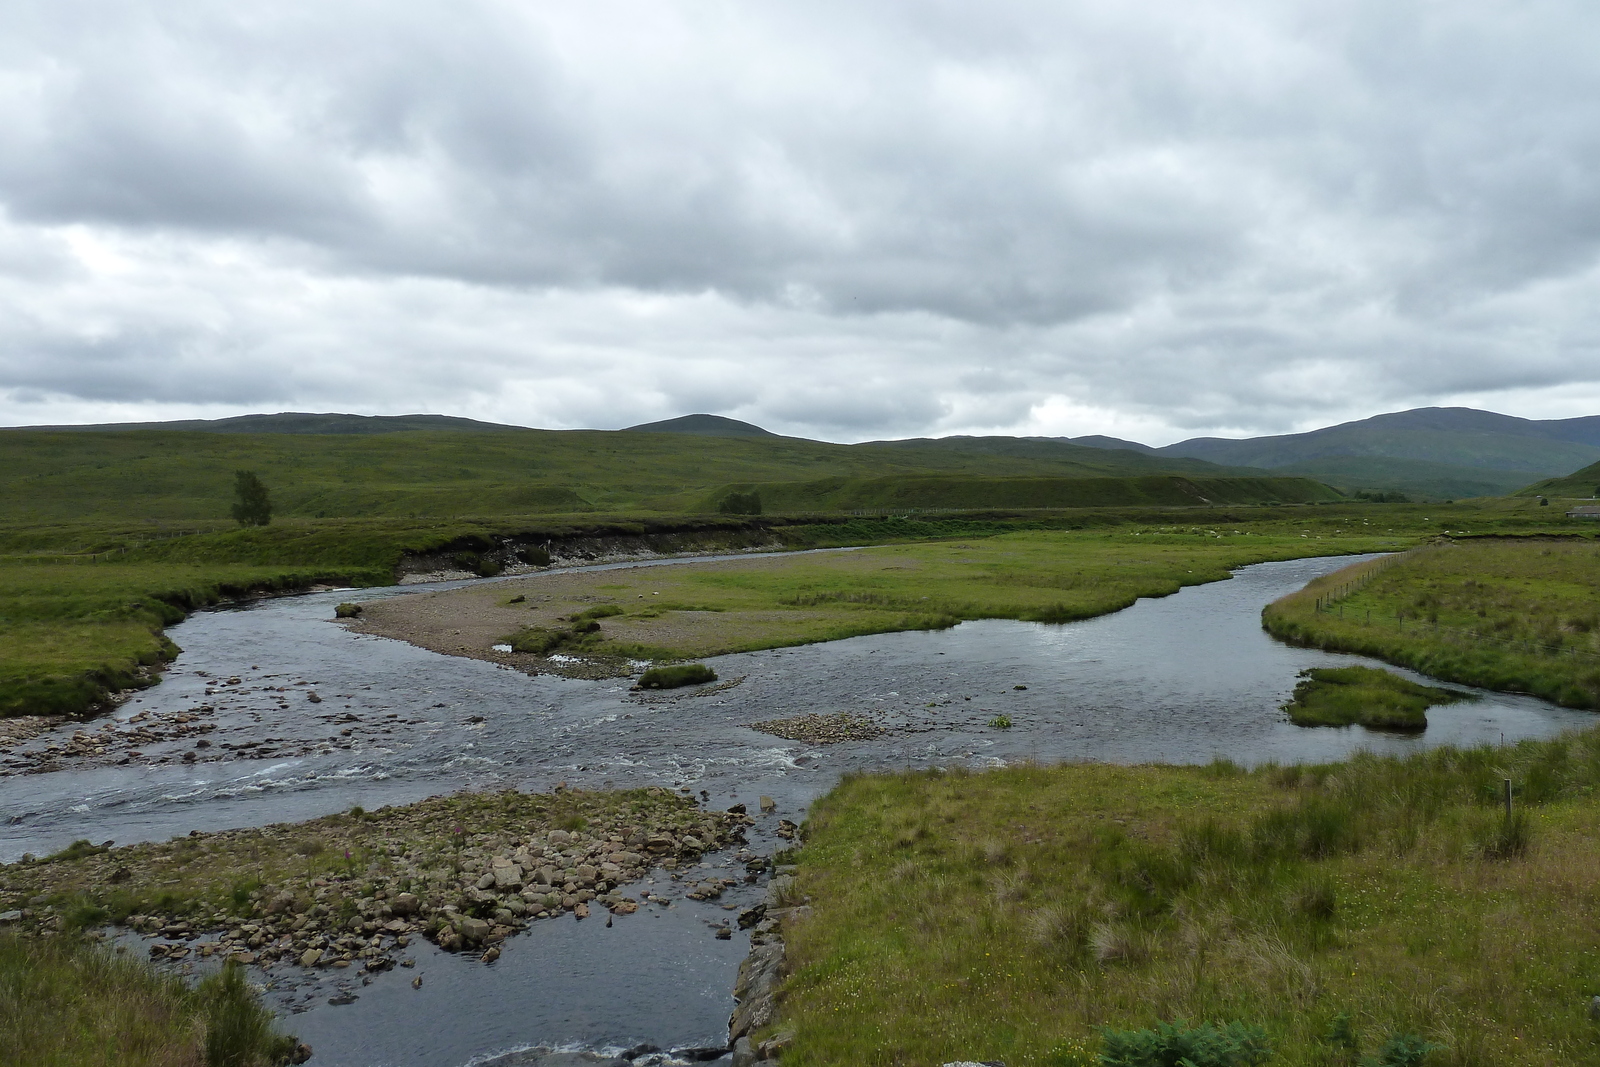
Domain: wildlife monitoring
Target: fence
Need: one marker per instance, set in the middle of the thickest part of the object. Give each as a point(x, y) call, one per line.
point(1328, 603)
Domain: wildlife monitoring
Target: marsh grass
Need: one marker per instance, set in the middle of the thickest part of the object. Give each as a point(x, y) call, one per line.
point(1344, 696)
point(1012, 914)
point(73, 1004)
point(1514, 614)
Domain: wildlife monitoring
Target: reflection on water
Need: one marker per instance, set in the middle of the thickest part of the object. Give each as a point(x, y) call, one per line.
point(1185, 678)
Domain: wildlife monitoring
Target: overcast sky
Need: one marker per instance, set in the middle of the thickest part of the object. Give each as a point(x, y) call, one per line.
point(844, 220)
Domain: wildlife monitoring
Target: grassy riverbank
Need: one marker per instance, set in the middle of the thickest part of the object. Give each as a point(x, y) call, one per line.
point(68, 1003)
point(736, 606)
point(1013, 914)
point(1520, 615)
point(82, 605)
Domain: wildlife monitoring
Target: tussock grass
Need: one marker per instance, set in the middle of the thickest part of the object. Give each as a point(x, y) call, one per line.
point(677, 676)
point(1359, 909)
point(1520, 615)
point(1342, 696)
point(67, 1003)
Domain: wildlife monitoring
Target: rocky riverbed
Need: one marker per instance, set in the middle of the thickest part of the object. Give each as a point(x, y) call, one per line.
point(822, 729)
point(352, 891)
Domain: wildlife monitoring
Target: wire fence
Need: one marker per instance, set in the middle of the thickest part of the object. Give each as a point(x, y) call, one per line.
point(1329, 602)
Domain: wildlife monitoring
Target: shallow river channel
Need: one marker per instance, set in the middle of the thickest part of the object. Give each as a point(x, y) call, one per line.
point(1186, 678)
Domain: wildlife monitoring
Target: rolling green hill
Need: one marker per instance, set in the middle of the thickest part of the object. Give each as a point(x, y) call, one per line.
point(299, 422)
point(1414, 477)
point(57, 476)
point(706, 425)
point(1584, 484)
point(1460, 437)
point(1431, 453)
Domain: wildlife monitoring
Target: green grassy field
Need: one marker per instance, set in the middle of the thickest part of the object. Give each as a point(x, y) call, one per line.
point(68, 1003)
point(1012, 915)
point(1513, 614)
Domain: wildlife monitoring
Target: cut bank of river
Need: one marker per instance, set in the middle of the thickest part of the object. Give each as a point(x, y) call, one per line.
point(1186, 678)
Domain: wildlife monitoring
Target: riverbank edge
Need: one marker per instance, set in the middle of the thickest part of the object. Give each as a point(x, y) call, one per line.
point(1300, 619)
point(490, 547)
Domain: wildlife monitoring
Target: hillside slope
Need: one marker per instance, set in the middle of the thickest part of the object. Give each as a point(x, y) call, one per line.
point(1459, 437)
point(923, 492)
point(55, 476)
point(297, 422)
point(1584, 484)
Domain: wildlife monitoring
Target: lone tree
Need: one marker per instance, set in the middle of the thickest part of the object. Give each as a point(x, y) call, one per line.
point(740, 504)
point(252, 507)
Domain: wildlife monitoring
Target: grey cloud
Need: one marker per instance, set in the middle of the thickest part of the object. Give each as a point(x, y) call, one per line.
point(855, 218)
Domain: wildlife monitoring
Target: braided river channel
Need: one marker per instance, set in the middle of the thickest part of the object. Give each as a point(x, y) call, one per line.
point(1185, 679)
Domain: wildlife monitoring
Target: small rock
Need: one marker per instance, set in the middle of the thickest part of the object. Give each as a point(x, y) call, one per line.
point(724, 933)
point(768, 805)
point(301, 1053)
point(312, 696)
point(342, 999)
point(581, 911)
point(492, 954)
point(311, 957)
point(416, 983)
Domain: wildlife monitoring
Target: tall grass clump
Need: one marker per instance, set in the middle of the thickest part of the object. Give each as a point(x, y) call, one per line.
point(676, 676)
point(75, 1004)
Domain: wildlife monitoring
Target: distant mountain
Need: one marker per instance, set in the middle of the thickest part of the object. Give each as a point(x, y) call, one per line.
point(1428, 452)
point(1414, 477)
point(704, 425)
point(300, 422)
point(1461, 437)
point(1099, 441)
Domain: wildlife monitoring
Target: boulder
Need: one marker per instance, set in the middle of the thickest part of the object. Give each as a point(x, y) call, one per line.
point(472, 931)
point(405, 904)
point(311, 957)
point(507, 877)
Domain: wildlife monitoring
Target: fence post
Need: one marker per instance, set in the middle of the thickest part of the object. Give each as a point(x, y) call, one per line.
point(1508, 798)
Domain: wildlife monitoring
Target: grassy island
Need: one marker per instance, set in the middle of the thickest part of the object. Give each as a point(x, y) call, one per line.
point(1347, 696)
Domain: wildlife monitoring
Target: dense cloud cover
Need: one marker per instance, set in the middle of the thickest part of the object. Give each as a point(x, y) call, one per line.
point(844, 220)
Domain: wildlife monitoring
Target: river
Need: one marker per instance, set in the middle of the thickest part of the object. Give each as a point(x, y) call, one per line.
point(1185, 679)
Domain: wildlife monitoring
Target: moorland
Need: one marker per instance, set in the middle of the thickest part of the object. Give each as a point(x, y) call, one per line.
point(1379, 910)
